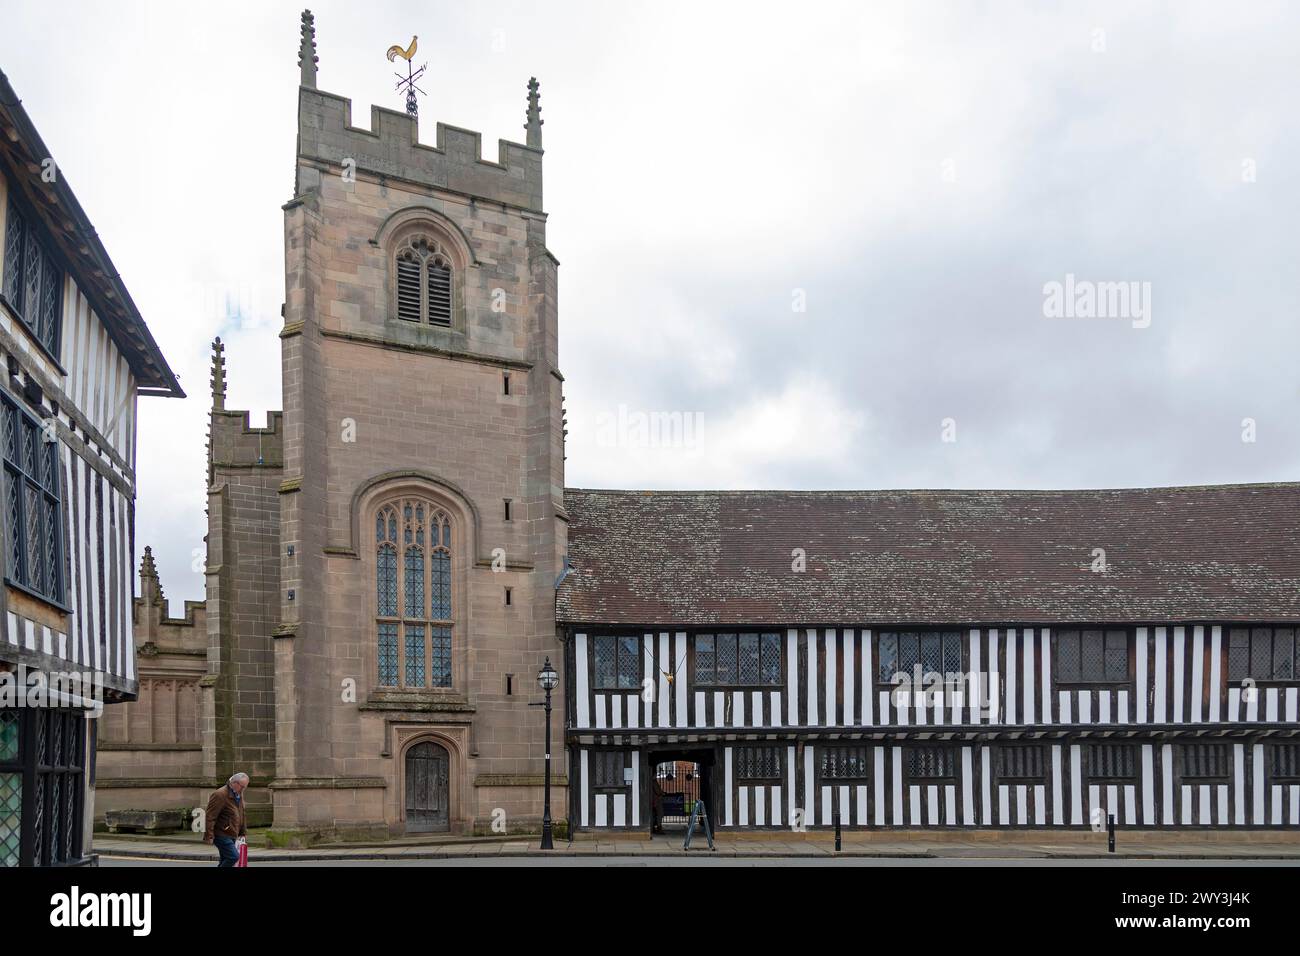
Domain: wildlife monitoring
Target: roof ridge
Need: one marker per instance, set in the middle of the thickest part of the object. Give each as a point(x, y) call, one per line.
point(656, 492)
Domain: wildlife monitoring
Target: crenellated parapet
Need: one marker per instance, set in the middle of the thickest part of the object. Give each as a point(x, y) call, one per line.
point(236, 444)
point(391, 148)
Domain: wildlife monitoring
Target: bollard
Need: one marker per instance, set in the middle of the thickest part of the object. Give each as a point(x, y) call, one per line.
point(1110, 832)
point(837, 831)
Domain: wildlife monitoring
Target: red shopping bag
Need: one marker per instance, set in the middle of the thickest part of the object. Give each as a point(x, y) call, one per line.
point(243, 852)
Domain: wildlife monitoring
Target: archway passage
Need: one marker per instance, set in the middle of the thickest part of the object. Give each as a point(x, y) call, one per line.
point(427, 791)
point(678, 778)
point(677, 787)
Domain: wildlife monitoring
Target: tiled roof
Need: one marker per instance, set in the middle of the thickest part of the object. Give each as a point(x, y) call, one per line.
point(670, 558)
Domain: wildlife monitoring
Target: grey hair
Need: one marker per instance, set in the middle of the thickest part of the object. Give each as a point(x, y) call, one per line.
point(235, 778)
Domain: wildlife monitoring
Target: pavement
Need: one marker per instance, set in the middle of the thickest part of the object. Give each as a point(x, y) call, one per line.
point(186, 847)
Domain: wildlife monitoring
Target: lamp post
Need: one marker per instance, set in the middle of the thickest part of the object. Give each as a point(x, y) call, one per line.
point(549, 680)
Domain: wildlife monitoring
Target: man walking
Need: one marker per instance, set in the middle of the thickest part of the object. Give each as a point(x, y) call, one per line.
point(225, 818)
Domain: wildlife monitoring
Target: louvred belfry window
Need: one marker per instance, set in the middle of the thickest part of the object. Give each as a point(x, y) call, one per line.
point(32, 520)
point(414, 605)
point(424, 287)
point(33, 281)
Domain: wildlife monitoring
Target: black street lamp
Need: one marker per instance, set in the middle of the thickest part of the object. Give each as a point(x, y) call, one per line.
point(549, 680)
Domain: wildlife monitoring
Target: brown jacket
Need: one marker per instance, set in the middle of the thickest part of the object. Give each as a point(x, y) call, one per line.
point(225, 815)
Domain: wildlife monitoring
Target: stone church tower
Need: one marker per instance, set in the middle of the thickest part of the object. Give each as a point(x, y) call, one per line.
point(382, 557)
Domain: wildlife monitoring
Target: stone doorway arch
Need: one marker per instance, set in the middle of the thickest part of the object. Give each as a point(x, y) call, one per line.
point(427, 789)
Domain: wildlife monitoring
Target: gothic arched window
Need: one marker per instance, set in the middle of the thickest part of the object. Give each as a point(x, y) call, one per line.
point(413, 577)
point(424, 281)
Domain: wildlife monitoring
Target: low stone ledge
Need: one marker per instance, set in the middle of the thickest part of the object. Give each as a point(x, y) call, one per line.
point(519, 780)
point(147, 821)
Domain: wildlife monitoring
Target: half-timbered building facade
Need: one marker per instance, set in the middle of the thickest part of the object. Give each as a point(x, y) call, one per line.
point(937, 659)
point(77, 354)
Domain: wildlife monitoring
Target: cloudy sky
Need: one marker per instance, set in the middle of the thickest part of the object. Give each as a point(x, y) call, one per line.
point(823, 231)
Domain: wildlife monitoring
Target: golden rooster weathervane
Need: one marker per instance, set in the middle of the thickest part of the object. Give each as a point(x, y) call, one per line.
point(412, 74)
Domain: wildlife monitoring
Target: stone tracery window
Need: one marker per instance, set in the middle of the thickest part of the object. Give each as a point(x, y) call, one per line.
point(423, 268)
point(413, 590)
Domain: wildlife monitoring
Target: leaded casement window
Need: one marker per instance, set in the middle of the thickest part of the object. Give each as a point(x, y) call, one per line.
point(413, 572)
point(42, 770)
point(899, 653)
point(33, 280)
point(1202, 761)
point(1263, 654)
point(757, 763)
point(1112, 761)
point(617, 661)
point(11, 789)
point(1091, 657)
point(424, 281)
point(931, 763)
point(1021, 761)
point(33, 519)
point(607, 769)
point(1284, 762)
point(738, 660)
point(844, 763)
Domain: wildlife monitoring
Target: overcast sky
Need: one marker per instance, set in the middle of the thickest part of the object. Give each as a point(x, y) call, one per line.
point(912, 175)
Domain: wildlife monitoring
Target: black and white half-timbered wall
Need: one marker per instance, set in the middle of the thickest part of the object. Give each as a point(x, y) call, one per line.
point(937, 659)
point(76, 355)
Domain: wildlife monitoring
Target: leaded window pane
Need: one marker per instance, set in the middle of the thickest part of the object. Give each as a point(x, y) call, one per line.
point(887, 650)
point(758, 763)
point(11, 817)
point(1116, 668)
point(1205, 761)
point(414, 586)
point(1238, 654)
point(414, 655)
point(1092, 656)
point(1283, 653)
point(388, 655)
point(747, 659)
point(1261, 654)
point(51, 531)
point(14, 223)
point(440, 656)
point(387, 574)
point(1021, 762)
point(705, 659)
point(31, 443)
point(13, 524)
point(930, 762)
point(952, 652)
point(441, 586)
point(1284, 762)
point(843, 763)
point(33, 263)
point(8, 735)
point(606, 651)
point(12, 429)
point(51, 296)
point(1111, 761)
point(931, 654)
point(771, 659)
point(629, 661)
point(908, 656)
point(1067, 657)
point(32, 534)
point(727, 669)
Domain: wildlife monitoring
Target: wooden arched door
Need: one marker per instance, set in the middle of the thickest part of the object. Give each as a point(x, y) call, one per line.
point(427, 792)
